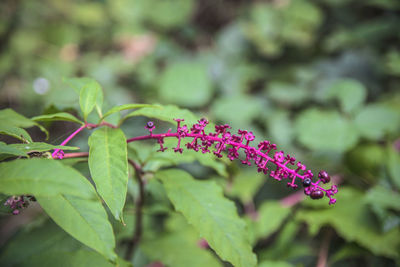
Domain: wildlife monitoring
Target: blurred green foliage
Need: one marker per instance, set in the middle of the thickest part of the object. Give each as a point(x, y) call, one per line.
point(321, 78)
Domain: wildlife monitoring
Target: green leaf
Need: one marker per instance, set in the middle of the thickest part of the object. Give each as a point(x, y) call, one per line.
point(347, 251)
point(271, 216)
point(392, 62)
point(287, 93)
point(285, 246)
point(393, 165)
point(15, 132)
point(108, 163)
point(186, 84)
point(9, 150)
point(178, 247)
point(163, 15)
point(227, 109)
point(166, 113)
point(67, 197)
point(274, 264)
point(375, 121)
point(350, 93)
point(280, 127)
point(78, 84)
point(61, 116)
point(44, 177)
point(25, 244)
point(88, 97)
point(213, 216)
point(40, 147)
point(246, 184)
point(79, 258)
point(354, 221)
point(11, 119)
point(125, 107)
point(378, 195)
point(84, 219)
point(325, 130)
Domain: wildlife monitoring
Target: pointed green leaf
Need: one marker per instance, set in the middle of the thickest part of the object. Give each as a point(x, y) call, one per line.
point(99, 101)
point(68, 198)
point(178, 247)
point(78, 84)
point(10, 119)
point(40, 147)
point(44, 177)
point(88, 97)
point(56, 248)
point(9, 150)
point(108, 163)
point(61, 116)
point(15, 132)
point(84, 219)
point(212, 215)
point(125, 107)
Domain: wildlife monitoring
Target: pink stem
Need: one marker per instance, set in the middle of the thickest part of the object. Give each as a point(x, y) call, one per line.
point(86, 125)
point(54, 155)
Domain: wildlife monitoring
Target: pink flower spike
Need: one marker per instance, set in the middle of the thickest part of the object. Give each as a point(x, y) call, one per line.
point(221, 141)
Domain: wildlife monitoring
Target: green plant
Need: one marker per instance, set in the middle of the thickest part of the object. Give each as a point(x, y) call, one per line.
point(31, 173)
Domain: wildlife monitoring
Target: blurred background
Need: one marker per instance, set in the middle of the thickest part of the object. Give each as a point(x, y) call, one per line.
point(320, 78)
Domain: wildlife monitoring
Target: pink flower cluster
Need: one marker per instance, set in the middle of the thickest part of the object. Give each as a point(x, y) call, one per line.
point(17, 203)
point(264, 155)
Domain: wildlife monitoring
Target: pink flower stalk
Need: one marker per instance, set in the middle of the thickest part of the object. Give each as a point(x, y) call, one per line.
point(222, 140)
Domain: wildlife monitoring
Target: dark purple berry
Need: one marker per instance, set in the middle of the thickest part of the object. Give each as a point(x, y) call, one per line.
point(324, 176)
point(307, 182)
point(317, 194)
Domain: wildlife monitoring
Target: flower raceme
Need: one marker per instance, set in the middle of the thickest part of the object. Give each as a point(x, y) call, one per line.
point(222, 140)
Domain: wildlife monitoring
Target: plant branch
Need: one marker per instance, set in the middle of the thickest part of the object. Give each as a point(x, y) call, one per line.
point(323, 253)
point(137, 234)
point(76, 155)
